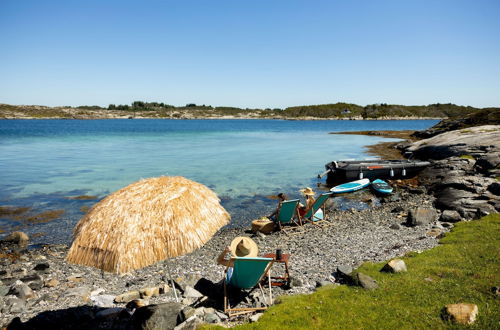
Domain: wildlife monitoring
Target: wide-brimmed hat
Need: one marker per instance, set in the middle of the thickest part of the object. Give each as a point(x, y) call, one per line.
point(243, 246)
point(307, 191)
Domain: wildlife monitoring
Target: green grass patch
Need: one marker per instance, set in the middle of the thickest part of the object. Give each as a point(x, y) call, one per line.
point(467, 157)
point(463, 268)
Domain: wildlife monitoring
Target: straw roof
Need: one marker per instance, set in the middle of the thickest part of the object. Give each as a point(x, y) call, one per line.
point(145, 222)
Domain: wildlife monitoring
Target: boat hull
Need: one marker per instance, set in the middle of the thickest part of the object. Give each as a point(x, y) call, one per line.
point(346, 171)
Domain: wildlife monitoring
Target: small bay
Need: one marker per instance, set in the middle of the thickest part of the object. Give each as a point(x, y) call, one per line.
point(50, 164)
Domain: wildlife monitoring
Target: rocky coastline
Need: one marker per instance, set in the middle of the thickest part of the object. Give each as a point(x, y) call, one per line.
point(39, 288)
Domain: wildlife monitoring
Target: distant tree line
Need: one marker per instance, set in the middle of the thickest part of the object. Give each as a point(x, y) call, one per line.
point(379, 110)
point(334, 110)
point(141, 106)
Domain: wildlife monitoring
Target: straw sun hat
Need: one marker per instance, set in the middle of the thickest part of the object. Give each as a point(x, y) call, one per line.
point(243, 246)
point(307, 191)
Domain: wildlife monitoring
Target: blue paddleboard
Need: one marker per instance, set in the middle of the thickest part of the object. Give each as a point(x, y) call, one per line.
point(381, 186)
point(350, 186)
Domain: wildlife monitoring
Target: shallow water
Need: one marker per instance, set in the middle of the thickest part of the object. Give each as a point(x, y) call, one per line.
point(43, 162)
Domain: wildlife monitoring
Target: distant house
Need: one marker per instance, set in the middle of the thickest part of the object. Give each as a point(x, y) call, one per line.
point(346, 111)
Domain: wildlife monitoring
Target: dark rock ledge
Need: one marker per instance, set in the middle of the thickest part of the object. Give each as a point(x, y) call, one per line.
point(465, 170)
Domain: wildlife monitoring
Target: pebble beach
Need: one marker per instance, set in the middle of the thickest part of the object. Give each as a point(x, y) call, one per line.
point(351, 238)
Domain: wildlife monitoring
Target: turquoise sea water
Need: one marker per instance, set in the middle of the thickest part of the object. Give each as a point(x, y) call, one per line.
point(43, 162)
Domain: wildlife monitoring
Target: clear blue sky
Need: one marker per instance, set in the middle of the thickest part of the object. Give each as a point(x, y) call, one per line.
point(254, 53)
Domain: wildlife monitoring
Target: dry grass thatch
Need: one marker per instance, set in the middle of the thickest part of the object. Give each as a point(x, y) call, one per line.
point(145, 222)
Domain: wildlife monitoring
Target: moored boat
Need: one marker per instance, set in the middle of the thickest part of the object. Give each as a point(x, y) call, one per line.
point(349, 170)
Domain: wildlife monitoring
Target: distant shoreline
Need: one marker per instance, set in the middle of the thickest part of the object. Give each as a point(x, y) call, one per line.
point(154, 110)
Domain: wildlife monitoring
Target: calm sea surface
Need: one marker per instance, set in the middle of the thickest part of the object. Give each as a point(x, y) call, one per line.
point(43, 162)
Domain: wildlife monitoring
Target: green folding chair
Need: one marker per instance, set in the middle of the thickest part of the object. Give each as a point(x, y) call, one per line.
point(247, 273)
point(288, 215)
point(312, 216)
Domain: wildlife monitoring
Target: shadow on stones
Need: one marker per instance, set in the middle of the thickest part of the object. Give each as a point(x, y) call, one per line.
point(215, 294)
point(81, 317)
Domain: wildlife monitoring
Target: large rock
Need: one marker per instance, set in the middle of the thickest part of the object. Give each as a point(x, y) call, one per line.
point(450, 216)
point(105, 300)
point(395, 266)
point(149, 292)
point(190, 292)
point(461, 313)
point(161, 316)
point(17, 237)
point(473, 140)
point(365, 281)
point(128, 296)
point(21, 290)
point(421, 216)
point(15, 305)
point(343, 274)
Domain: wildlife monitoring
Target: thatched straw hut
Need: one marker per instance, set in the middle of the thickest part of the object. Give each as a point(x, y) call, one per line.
point(145, 222)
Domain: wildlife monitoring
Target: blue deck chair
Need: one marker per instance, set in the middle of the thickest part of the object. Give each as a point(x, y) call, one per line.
point(312, 215)
point(288, 215)
point(247, 273)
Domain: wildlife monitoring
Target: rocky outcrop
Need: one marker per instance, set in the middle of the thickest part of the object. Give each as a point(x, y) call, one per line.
point(474, 141)
point(477, 118)
point(465, 165)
